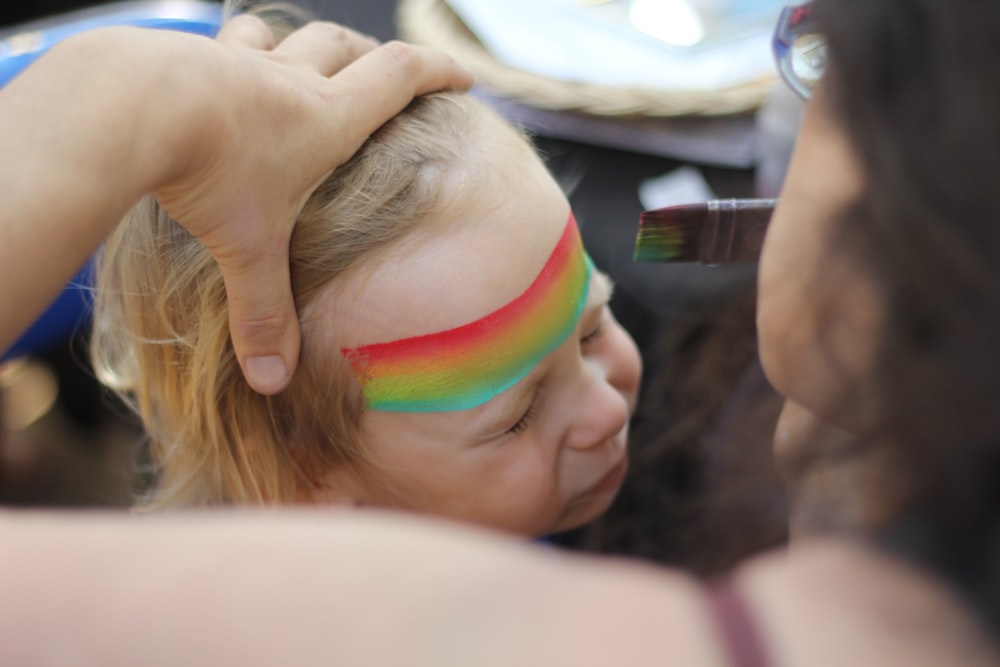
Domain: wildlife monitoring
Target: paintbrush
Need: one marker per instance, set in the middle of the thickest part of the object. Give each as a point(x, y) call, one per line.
point(720, 231)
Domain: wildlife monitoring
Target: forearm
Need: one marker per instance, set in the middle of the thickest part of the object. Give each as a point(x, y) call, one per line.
point(84, 132)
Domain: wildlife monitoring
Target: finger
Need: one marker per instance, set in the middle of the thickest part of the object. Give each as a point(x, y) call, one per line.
point(414, 69)
point(262, 319)
point(324, 47)
point(380, 84)
point(247, 31)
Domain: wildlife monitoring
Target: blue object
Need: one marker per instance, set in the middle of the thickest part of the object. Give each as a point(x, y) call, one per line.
point(67, 314)
point(22, 45)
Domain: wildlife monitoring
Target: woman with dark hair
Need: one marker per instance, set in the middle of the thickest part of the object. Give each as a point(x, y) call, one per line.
point(879, 310)
point(877, 314)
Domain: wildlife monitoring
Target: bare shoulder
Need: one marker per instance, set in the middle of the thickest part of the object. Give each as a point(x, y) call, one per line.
point(830, 602)
point(621, 612)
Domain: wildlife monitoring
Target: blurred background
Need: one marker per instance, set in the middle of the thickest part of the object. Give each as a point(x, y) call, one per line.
point(634, 104)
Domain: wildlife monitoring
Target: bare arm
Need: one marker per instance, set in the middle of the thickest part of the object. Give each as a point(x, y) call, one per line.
point(316, 589)
point(81, 142)
point(231, 135)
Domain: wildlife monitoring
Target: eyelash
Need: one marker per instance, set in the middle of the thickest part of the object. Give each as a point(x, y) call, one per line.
point(595, 334)
point(525, 421)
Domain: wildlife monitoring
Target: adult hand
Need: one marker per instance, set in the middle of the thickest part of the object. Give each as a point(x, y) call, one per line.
point(280, 119)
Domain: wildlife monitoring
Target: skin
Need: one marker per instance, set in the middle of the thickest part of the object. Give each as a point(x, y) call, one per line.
point(817, 308)
point(549, 453)
point(818, 318)
point(313, 589)
point(845, 490)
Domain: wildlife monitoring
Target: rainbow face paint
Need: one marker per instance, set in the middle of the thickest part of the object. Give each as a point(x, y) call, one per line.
point(464, 367)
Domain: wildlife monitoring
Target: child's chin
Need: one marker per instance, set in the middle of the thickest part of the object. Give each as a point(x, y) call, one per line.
point(583, 515)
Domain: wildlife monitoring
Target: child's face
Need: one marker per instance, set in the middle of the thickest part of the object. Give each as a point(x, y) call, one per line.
point(549, 452)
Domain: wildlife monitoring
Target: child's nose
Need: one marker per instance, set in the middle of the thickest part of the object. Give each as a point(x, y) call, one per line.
point(602, 412)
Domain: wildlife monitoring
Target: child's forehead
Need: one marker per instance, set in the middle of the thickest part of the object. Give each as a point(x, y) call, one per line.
point(433, 281)
point(465, 366)
point(496, 155)
point(497, 219)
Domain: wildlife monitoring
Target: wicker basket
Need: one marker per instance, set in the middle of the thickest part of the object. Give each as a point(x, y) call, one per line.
point(433, 23)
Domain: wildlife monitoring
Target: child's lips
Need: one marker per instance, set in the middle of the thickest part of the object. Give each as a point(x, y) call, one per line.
point(611, 479)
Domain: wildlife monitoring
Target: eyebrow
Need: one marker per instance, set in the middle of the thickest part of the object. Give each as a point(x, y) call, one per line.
point(602, 288)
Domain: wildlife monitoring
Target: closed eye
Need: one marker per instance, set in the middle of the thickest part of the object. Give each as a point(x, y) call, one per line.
point(595, 333)
point(525, 421)
point(529, 416)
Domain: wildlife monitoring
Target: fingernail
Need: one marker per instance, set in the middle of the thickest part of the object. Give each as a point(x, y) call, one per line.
point(268, 375)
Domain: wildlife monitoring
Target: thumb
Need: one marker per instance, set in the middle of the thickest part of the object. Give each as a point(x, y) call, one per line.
point(262, 319)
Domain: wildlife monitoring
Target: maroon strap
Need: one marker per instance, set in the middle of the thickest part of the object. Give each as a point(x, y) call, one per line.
point(739, 633)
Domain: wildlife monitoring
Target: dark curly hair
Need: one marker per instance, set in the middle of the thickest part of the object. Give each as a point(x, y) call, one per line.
point(916, 86)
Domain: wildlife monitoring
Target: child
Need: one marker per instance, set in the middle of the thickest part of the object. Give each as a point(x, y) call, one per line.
point(458, 356)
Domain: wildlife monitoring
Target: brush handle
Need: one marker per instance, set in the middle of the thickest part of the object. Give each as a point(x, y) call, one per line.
point(734, 231)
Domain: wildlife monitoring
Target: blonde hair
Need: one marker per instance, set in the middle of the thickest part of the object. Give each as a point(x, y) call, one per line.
point(161, 335)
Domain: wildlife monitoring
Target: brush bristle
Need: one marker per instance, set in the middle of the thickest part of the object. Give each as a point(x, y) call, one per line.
point(671, 234)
